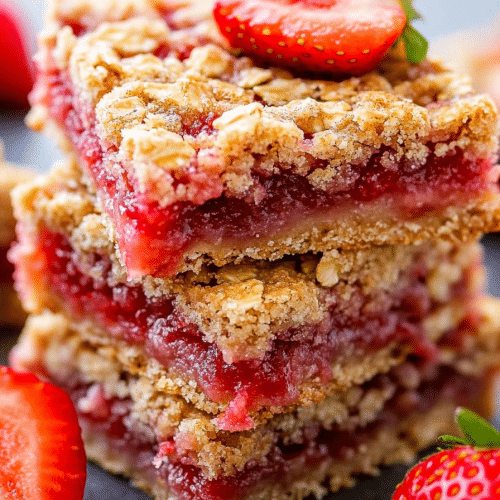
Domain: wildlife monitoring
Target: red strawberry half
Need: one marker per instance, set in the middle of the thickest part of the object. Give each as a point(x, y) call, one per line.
point(466, 472)
point(17, 71)
point(334, 36)
point(41, 449)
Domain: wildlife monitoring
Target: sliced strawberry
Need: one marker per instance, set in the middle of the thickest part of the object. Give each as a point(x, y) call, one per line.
point(470, 471)
point(41, 449)
point(465, 473)
point(334, 36)
point(17, 71)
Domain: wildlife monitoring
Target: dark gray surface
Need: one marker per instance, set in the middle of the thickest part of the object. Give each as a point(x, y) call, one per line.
point(102, 486)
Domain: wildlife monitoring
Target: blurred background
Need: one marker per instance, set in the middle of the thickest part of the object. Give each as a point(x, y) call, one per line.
point(478, 24)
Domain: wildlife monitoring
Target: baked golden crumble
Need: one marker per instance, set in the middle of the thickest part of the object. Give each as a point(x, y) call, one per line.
point(11, 311)
point(10, 176)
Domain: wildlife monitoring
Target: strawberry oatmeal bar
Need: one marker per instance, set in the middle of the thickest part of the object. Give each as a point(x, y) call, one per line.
point(11, 312)
point(132, 426)
point(201, 155)
point(257, 272)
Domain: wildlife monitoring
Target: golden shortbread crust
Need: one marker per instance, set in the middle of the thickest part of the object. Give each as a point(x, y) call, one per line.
point(11, 311)
point(10, 176)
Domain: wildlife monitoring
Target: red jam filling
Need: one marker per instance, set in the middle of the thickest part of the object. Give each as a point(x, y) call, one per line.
point(285, 463)
point(305, 352)
point(153, 239)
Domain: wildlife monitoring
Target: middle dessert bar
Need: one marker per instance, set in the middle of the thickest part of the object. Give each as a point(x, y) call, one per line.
point(244, 342)
point(199, 155)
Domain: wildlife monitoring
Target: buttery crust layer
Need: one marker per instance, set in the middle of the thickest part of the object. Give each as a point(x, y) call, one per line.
point(357, 230)
point(11, 311)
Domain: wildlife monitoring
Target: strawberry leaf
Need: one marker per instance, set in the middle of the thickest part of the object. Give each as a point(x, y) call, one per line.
point(411, 13)
point(415, 44)
point(477, 431)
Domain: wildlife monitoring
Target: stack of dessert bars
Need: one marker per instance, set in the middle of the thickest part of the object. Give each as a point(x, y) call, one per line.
point(254, 285)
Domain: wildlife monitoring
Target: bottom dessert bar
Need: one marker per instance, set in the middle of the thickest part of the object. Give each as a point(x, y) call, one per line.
point(175, 451)
point(292, 475)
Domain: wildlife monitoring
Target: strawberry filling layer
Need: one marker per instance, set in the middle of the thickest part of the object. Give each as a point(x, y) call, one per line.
point(300, 354)
point(285, 464)
point(153, 238)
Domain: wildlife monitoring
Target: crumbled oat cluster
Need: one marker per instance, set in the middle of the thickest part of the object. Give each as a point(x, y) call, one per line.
point(11, 311)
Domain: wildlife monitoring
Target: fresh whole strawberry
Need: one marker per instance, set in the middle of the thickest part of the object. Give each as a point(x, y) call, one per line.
point(41, 449)
point(470, 471)
point(325, 36)
point(17, 71)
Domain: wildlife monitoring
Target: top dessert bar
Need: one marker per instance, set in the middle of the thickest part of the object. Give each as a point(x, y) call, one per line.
point(200, 155)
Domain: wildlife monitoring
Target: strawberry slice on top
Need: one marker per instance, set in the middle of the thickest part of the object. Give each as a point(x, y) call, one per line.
point(340, 37)
point(41, 449)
